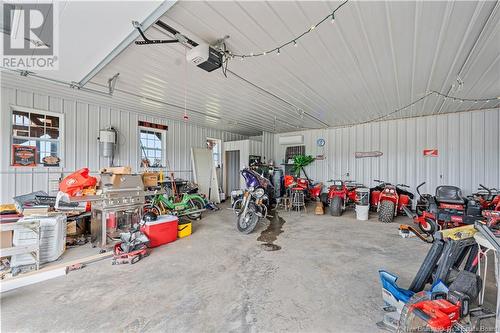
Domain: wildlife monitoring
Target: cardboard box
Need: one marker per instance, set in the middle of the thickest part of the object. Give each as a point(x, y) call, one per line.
point(150, 179)
point(5, 239)
point(124, 170)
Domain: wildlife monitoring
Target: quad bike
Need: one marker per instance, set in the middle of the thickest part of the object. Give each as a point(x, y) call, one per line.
point(389, 200)
point(312, 190)
point(190, 205)
point(340, 195)
point(447, 209)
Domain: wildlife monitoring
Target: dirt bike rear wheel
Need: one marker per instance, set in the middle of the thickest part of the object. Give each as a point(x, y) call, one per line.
point(386, 211)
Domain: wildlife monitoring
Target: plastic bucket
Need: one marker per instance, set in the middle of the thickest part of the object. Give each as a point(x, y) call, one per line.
point(362, 212)
point(184, 230)
point(362, 196)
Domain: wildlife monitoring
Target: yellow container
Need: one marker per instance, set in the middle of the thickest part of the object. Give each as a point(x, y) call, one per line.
point(184, 230)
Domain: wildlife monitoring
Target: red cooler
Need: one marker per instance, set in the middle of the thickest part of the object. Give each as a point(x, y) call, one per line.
point(161, 231)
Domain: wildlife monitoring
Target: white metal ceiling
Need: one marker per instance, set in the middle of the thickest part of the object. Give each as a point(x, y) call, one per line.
point(375, 58)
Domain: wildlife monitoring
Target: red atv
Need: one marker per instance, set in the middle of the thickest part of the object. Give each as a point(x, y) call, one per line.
point(312, 190)
point(341, 193)
point(389, 199)
point(447, 209)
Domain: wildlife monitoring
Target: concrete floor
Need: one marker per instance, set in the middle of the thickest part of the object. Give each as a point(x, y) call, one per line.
point(324, 279)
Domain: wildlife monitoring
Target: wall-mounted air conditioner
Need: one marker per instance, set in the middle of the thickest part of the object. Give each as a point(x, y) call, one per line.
point(291, 140)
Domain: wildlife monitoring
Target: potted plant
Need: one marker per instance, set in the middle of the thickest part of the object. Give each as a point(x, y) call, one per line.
point(300, 162)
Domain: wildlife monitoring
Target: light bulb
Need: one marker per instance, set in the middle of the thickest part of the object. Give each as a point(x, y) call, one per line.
point(333, 18)
point(278, 53)
point(264, 53)
point(312, 27)
point(295, 43)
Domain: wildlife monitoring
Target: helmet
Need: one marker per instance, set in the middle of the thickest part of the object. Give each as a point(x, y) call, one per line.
point(150, 216)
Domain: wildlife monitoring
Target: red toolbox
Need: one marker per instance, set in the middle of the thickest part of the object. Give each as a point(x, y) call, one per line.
point(161, 231)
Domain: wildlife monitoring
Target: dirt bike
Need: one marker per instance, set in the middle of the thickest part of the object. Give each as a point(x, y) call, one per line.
point(190, 205)
point(340, 195)
point(389, 200)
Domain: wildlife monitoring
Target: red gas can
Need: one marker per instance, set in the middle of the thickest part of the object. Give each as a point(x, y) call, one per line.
point(161, 231)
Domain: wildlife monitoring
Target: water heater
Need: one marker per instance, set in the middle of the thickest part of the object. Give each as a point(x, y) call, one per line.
point(107, 141)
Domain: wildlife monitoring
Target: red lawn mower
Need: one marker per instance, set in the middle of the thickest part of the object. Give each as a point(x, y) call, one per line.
point(487, 198)
point(389, 200)
point(341, 194)
point(447, 209)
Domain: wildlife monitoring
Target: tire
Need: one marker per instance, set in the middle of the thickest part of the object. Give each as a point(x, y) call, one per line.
point(431, 228)
point(386, 211)
point(336, 206)
point(196, 204)
point(152, 208)
point(246, 224)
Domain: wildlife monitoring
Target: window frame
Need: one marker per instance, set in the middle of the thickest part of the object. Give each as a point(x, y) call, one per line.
point(163, 145)
point(61, 154)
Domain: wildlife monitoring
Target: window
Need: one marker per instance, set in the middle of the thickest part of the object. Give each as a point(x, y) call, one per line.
point(152, 144)
point(38, 129)
point(215, 146)
point(292, 151)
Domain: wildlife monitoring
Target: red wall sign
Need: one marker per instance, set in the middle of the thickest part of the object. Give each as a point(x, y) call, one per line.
point(431, 152)
point(151, 125)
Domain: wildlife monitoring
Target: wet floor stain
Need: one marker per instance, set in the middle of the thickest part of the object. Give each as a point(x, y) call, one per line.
point(270, 234)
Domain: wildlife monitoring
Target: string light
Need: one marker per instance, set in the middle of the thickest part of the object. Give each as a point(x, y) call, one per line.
point(461, 100)
point(293, 41)
point(278, 53)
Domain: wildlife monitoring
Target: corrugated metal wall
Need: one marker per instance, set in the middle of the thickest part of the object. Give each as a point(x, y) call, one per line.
point(468, 144)
point(80, 147)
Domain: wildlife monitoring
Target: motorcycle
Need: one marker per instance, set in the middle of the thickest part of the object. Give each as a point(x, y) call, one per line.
point(190, 205)
point(446, 209)
point(254, 203)
point(389, 199)
point(340, 195)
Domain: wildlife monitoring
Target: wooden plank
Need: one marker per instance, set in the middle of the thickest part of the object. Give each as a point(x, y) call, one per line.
point(48, 272)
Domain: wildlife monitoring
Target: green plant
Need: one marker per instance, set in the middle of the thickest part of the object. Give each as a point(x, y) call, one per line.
point(300, 162)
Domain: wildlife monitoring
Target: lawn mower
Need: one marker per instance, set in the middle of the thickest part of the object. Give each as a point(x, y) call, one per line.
point(389, 200)
point(447, 209)
point(487, 198)
point(340, 195)
point(132, 248)
point(451, 261)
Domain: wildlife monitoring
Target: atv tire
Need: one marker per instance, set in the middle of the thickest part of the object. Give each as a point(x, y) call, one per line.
point(386, 211)
point(336, 206)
